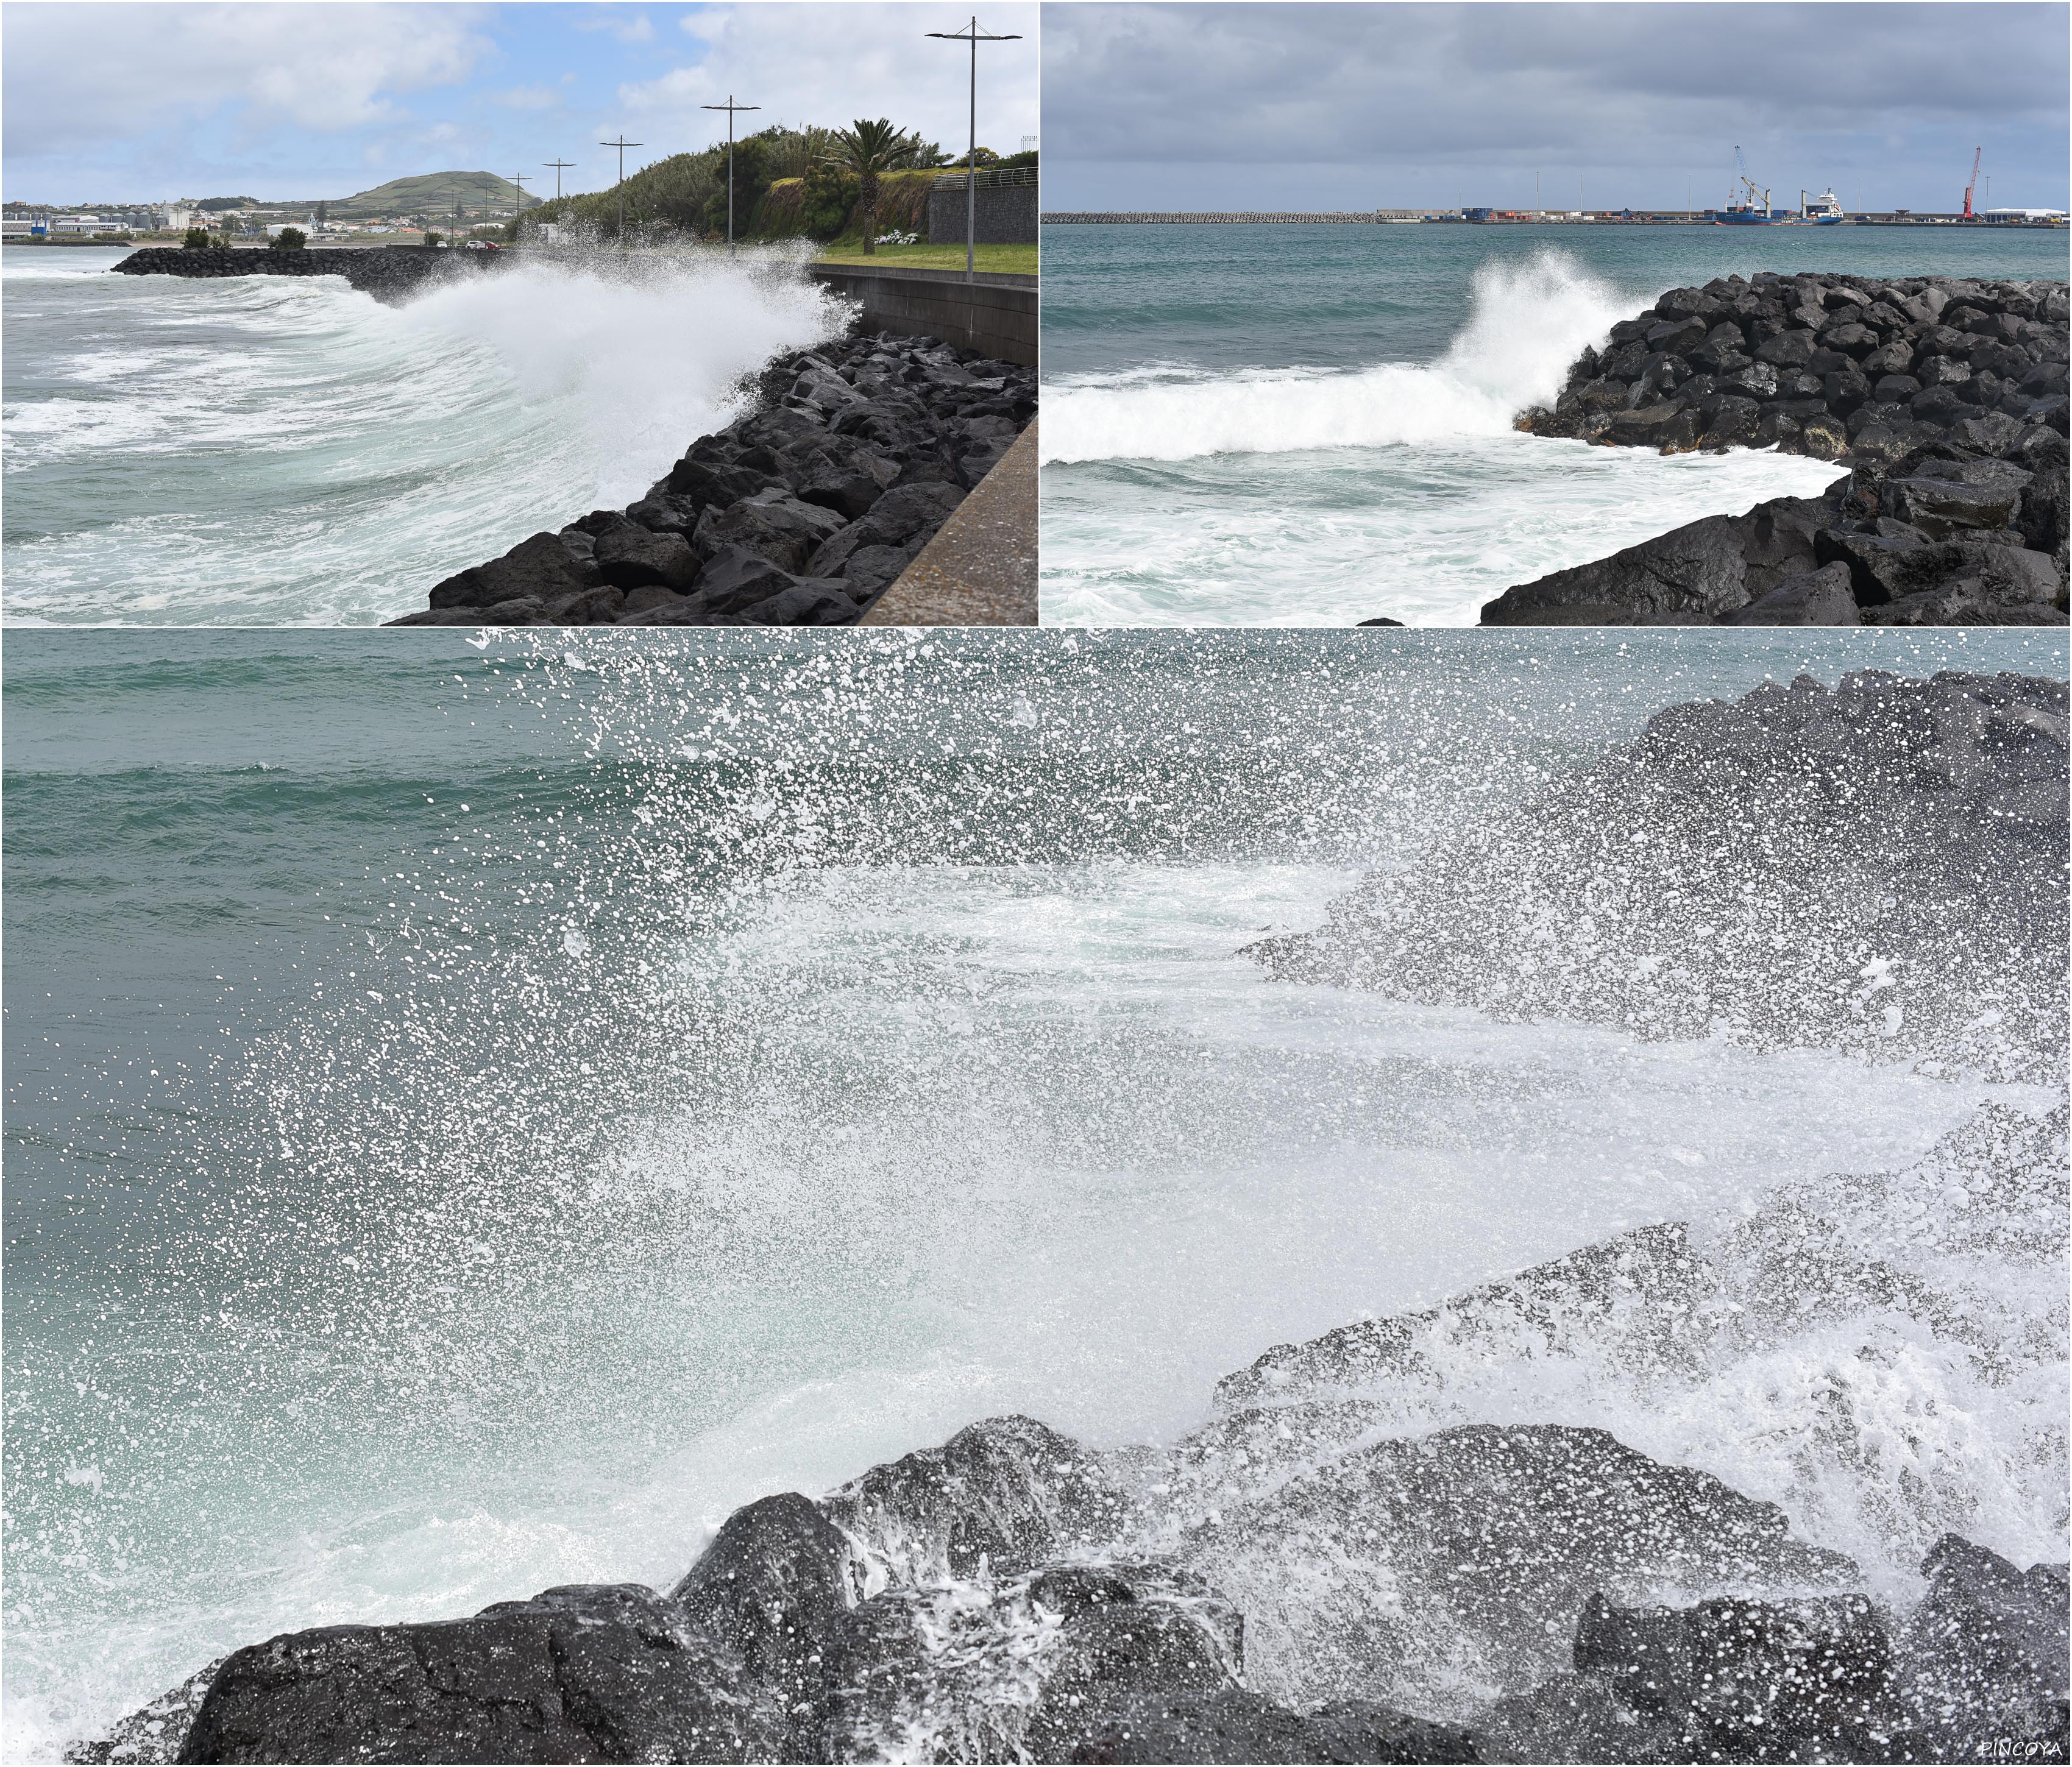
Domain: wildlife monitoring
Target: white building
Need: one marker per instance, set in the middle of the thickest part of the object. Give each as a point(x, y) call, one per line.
point(74, 225)
point(2025, 214)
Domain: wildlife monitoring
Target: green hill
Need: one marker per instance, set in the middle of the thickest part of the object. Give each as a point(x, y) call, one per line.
point(431, 194)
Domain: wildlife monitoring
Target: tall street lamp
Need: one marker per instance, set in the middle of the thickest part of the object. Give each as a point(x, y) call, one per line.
point(729, 107)
point(971, 162)
point(621, 144)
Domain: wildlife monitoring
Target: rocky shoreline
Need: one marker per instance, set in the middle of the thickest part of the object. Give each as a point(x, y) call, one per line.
point(1909, 834)
point(802, 512)
point(1947, 399)
point(1349, 1561)
point(1308, 1578)
point(392, 277)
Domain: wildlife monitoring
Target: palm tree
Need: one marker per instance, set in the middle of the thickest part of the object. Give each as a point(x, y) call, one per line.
point(867, 149)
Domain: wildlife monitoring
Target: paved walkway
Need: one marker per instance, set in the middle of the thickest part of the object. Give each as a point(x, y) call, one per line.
point(981, 568)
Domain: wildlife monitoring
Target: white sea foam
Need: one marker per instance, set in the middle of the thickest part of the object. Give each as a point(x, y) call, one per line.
point(1525, 324)
point(290, 451)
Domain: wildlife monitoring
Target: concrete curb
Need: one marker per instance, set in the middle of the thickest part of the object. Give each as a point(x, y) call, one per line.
point(981, 568)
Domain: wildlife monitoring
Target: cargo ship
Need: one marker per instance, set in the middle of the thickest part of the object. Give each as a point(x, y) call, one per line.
point(1757, 210)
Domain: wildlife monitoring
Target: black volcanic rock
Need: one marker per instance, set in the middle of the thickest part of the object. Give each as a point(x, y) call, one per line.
point(586, 1674)
point(1951, 431)
point(856, 454)
point(541, 568)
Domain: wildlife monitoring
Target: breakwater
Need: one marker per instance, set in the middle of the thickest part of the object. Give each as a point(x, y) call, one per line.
point(1229, 218)
point(1945, 397)
point(393, 273)
point(801, 512)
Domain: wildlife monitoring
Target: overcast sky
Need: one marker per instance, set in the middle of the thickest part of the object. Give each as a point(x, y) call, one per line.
point(113, 102)
point(1362, 105)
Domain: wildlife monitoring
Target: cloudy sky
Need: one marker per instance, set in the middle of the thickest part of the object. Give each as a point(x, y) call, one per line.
point(1384, 105)
point(111, 102)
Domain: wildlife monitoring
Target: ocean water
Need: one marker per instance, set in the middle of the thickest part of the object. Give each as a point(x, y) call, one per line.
point(1292, 425)
point(479, 1109)
point(279, 451)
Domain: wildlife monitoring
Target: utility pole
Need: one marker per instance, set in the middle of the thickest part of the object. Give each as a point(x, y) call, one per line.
point(971, 162)
point(518, 181)
point(559, 165)
point(621, 144)
point(729, 107)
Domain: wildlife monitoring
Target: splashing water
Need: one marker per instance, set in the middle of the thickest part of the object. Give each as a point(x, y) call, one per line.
point(730, 1063)
point(1526, 323)
point(1327, 496)
point(290, 451)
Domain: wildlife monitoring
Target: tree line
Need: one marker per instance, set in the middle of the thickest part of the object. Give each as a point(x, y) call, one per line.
point(839, 173)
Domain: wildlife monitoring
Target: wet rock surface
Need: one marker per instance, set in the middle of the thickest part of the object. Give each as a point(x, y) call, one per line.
point(802, 512)
point(390, 277)
point(1945, 398)
point(1913, 831)
point(1317, 1575)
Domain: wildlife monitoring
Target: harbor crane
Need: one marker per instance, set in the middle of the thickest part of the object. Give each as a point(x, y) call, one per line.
point(1977, 154)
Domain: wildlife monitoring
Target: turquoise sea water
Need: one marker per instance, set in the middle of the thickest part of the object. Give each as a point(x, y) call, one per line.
point(274, 450)
point(1290, 425)
point(477, 1111)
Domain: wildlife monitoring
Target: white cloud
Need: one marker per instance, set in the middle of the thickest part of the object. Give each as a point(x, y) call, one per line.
point(807, 61)
point(321, 66)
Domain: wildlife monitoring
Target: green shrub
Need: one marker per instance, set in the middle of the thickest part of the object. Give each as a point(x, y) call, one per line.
point(197, 240)
point(432, 238)
point(291, 239)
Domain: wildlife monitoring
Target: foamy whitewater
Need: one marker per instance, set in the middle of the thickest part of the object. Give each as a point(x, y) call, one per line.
point(277, 450)
point(1313, 425)
point(473, 1141)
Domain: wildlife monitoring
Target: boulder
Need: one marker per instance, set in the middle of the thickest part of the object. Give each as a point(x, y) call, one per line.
point(1961, 495)
point(635, 558)
point(1461, 1557)
point(1992, 432)
point(774, 523)
point(1688, 577)
point(1981, 1662)
point(1817, 598)
point(734, 578)
point(1235, 1726)
point(808, 601)
point(590, 1673)
point(1003, 1496)
point(1892, 569)
point(1786, 350)
point(541, 568)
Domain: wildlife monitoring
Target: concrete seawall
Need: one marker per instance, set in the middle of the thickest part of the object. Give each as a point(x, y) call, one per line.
point(996, 315)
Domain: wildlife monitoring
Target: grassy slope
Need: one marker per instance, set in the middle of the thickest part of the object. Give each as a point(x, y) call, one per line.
point(431, 192)
point(1012, 259)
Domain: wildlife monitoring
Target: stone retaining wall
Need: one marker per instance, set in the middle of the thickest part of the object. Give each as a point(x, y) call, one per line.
point(1006, 214)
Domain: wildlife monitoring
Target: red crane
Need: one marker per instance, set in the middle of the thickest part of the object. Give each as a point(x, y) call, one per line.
point(1976, 153)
